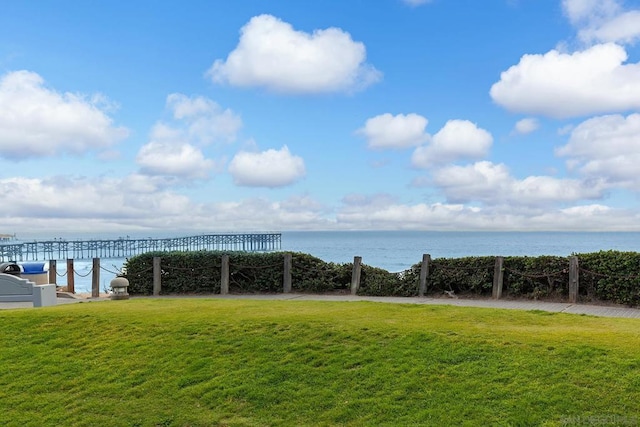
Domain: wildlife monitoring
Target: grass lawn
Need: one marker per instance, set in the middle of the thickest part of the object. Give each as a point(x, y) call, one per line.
point(204, 362)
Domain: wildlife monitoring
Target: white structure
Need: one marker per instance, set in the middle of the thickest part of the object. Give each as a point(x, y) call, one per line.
point(15, 289)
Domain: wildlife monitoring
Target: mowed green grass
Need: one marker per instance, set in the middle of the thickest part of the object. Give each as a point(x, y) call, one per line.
point(205, 362)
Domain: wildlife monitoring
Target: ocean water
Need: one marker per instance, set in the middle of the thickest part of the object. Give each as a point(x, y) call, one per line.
point(399, 250)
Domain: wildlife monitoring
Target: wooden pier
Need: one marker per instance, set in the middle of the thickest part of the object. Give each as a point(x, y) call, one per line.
point(61, 249)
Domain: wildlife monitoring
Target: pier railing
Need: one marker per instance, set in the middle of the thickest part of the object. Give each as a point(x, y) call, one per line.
point(61, 249)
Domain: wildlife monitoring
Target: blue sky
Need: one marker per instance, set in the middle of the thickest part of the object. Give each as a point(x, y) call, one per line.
point(278, 115)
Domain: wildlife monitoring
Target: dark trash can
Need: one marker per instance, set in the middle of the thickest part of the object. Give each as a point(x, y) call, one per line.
point(10, 268)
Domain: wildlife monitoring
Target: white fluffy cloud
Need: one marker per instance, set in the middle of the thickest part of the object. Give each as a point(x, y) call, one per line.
point(565, 85)
point(382, 212)
point(492, 184)
point(595, 80)
point(294, 213)
point(271, 168)
point(174, 149)
point(581, 11)
point(272, 54)
point(136, 203)
point(207, 121)
point(101, 205)
point(458, 139)
point(36, 121)
point(606, 147)
point(400, 131)
point(624, 28)
point(179, 160)
point(527, 125)
point(603, 20)
point(61, 198)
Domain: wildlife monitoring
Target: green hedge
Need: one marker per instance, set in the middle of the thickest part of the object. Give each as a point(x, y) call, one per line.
point(311, 274)
point(469, 275)
point(181, 272)
point(199, 272)
point(604, 276)
point(536, 277)
point(610, 276)
point(379, 282)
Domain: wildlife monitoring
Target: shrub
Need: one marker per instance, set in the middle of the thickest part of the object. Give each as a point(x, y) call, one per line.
point(611, 276)
point(605, 276)
point(536, 277)
point(311, 274)
point(181, 272)
point(461, 275)
point(378, 282)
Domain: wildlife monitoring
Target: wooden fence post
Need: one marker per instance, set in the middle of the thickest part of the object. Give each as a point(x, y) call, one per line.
point(157, 276)
point(424, 274)
point(573, 279)
point(224, 275)
point(53, 271)
point(95, 278)
point(498, 278)
point(71, 284)
point(355, 274)
point(288, 258)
